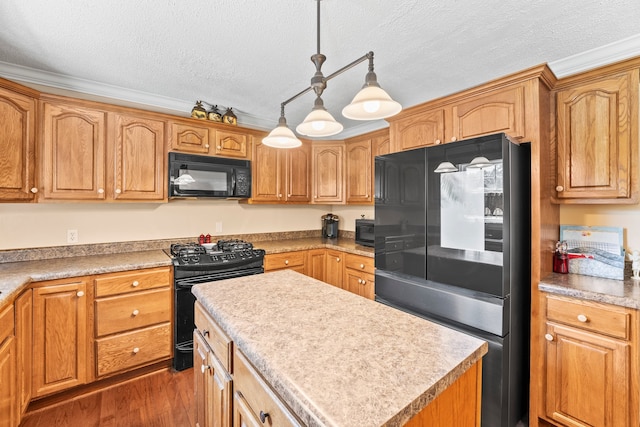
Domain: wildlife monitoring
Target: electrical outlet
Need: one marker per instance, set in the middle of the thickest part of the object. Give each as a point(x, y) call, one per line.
point(72, 236)
point(218, 227)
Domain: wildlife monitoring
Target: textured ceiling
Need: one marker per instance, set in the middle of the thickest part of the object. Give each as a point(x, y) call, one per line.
point(254, 54)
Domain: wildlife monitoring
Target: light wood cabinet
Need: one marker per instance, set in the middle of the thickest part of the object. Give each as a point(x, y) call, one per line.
point(281, 176)
point(589, 374)
point(230, 143)
point(24, 347)
point(138, 152)
point(189, 137)
point(328, 172)
point(316, 263)
point(359, 167)
point(421, 129)
point(359, 275)
point(295, 260)
point(8, 395)
point(334, 271)
point(213, 383)
point(60, 336)
point(209, 138)
point(597, 138)
point(133, 315)
point(17, 142)
point(381, 143)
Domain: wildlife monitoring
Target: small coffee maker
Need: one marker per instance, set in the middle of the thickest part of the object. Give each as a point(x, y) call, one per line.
point(330, 226)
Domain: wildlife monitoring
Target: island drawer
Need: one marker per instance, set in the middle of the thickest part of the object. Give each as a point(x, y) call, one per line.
point(218, 341)
point(360, 263)
point(131, 311)
point(261, 400)
point(284, 260)
point(604, 319)
point(127, 350)
point(6, 323)
point(132, 281)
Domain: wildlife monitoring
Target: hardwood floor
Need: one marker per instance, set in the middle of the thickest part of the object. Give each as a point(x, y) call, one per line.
point(160, 399)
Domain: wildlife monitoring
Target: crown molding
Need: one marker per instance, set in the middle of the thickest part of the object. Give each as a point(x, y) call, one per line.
point(594, 58)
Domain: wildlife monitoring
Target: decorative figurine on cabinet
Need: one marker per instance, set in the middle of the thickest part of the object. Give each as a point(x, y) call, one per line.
point(635, 264)
point(229, 118)
point(214, 115)
point(198, 111)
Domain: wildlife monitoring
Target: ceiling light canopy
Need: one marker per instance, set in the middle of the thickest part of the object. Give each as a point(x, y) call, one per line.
point(370, 103)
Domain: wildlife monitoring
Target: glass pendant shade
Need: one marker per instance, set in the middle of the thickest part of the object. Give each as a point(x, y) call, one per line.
point(282, 137)
point(446, 167)
point(371, 103)
point(479, 163)
point(319, 122)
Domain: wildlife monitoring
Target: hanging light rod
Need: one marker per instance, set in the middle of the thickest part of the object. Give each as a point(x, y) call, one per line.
point(370, 103)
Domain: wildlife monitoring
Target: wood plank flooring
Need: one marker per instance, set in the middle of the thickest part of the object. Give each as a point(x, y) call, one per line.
point(164, 398)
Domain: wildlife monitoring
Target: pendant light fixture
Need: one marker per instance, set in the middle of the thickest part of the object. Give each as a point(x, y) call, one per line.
point(370, 103)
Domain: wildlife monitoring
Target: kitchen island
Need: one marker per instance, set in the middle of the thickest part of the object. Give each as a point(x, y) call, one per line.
point(337, 359)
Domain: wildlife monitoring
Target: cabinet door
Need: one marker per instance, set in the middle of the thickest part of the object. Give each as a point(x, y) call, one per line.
point(498, 111)
point(328, 162)
point(24, 348)
point(381, 145)
point(190, 137)
point(587, 378)
point(316, 264)
point(418, 130)
point(358, 177)
point(200, 374)
point(242, 414)
point(597, 149)
point(298, 174)
point(335, 269)
point(232, 144)
point(212, 387)
point(60, 337)
point(359, 283)
point(267, 173)
point(138, 152)
point(8, 407)
point(73, 152)
point(17, 139)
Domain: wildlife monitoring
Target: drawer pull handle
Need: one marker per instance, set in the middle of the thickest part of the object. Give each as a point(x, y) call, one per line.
point(80, 293)
point(582, 318)
point(135, 312)
point(204, 368)
point(136, 350)
point(263, 416)
point(286, 262)
point(361, 265)
point(135, 283)
point(205, 333)
point(548, 337)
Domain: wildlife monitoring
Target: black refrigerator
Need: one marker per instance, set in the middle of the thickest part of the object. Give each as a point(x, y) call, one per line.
point(452, 245)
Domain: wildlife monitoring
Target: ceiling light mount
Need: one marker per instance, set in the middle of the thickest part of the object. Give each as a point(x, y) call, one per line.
point(370, 103)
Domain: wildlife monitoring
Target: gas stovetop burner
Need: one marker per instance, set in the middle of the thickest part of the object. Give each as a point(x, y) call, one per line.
point(186, 249)
point(223, 254)
point(233, 245)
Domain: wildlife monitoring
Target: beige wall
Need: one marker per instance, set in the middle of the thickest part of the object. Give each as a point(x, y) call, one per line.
point(627, 217)
point(44, 225)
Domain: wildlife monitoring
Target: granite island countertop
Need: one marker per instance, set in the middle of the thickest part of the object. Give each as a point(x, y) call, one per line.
point(624, 293)
point(337, 359)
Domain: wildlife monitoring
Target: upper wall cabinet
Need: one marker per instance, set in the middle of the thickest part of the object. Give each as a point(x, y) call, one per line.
point(89, 153)
point(359, 165)
point(202, 137)
point(17, 142)
point(421, 129)
point(328, 172)
point(597, 140)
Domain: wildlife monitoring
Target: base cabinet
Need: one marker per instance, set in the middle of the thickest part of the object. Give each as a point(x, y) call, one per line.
point(212, 386)
point(359, 275)
point(24, 346)
point(295, 260)
point(8, 395)
point(334, 268)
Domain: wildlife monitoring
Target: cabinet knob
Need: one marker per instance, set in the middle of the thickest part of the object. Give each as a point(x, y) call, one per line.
point(118, 191)
point(219, 147)
point(135, 312)
point(204, 368)
point(338, 259)
point(80, 293)
point(548, 337)
point(360, 281)
point(286, 262)
point(100, 190)
point(206, 145)
point(34, 190)
point(453, 138)
point(135, 283)
point(289, 195)
point(559, 188)
point(364, 282)
point(135, 350)
point(279, 195)
point(437, 142)
point(263, 416)
point(582, 318)
point(361, 265)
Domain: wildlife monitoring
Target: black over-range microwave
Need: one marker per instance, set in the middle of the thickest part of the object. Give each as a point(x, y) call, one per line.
point(365, 234)
point(200, 176)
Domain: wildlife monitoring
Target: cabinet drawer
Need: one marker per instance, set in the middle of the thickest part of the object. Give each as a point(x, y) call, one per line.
point(132, 311)
point(258, 395)
point(218, 341)
point(124, 351)
point(6, 323)
point(284, 260)
point(132, 281)
point(608, 320)
point(359, 263)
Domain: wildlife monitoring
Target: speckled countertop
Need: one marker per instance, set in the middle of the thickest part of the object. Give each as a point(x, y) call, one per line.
point(302, 244)
point(337, 359)
point(625, 293)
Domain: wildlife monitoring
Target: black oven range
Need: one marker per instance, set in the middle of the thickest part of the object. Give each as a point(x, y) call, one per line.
point(193, 264)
